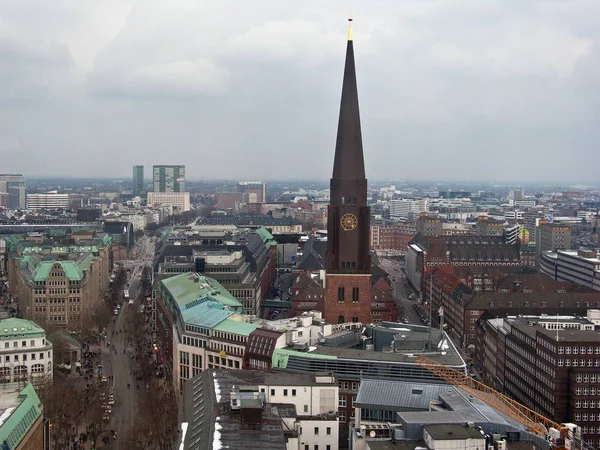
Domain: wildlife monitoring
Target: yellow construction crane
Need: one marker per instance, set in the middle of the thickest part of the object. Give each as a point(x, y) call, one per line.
point(532, 421)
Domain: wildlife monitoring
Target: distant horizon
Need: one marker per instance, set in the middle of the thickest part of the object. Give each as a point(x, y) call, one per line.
point(432, 183)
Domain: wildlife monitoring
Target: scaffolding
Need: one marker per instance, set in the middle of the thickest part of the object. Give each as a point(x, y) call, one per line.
point(532, 421)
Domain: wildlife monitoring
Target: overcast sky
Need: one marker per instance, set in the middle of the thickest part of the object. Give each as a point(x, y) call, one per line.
point(449, 89)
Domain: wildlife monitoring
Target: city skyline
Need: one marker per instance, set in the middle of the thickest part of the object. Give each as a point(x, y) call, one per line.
point(495, 91)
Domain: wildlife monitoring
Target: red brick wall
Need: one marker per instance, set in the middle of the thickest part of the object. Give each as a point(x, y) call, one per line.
point(348, 309)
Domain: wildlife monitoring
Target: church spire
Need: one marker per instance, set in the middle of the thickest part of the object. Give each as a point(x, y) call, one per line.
point(349, 161)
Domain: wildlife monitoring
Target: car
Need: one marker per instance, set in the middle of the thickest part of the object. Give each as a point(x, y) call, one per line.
point(131, 302)
point(116, 312)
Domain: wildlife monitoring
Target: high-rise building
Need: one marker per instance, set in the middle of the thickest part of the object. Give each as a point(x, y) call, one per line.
point(348, 262)
point(253, 191)
point(52, 200)
point(169, 178)
point(14, 186)
point(138, 180)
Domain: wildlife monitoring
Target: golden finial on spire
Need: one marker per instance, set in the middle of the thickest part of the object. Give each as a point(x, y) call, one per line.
point(349, 28)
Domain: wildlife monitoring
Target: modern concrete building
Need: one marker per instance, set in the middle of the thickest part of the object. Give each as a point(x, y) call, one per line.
point(138, 181)
point(25, 353)
point(178, 201)
point(169, 178)
point(407, 208)
point(578, 266)
point(22, 424)
point(50, 200)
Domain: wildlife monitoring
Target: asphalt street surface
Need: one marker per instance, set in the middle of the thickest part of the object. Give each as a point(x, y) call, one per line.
point(118, 358)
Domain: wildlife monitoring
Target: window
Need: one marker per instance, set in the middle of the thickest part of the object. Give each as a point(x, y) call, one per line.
point(6, 344)
point(353, 400)
point(23, 343)
point(285, 392)
point(316, 447)
point(328, 447)
point(293, 392)
point(272, 391)
point(32, 343)
point(305, 408)
point(342, 401)
point(306, 447)
point(354, 295)
point(341, 294)
point(328, 431)
point(7, 358)
point(316, 431)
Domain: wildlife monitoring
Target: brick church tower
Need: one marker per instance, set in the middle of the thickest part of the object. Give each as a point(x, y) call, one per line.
point(348, 263)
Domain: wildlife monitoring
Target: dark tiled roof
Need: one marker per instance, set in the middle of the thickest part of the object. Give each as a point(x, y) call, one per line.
point(249, 220)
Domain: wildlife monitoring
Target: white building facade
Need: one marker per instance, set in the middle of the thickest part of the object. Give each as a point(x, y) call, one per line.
point(26, 354)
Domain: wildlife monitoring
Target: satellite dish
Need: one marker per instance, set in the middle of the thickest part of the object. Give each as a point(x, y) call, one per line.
point(372, 433)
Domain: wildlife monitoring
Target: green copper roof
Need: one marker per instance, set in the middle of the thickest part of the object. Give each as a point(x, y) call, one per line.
point(188, 289)
point(12, 328)
point(233, 326)
point(17, 416)
point(266, 237)
point(207, 314)
point(71, 268)
point(281, 356)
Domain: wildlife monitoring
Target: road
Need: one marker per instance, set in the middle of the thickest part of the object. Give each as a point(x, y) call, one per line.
point(405, 305)
point(119, 357)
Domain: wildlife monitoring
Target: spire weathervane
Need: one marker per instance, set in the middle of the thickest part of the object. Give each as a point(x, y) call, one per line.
point(350, 28)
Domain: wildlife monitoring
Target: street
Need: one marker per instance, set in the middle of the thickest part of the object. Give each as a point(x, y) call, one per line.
point(119, 358)
point(406, 306)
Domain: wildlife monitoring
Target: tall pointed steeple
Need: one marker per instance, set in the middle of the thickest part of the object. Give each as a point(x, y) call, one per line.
point(349, 161)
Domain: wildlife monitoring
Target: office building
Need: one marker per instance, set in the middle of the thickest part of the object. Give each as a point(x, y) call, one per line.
point(59, 278)
point(25, 353)
point(178, 201)
point(552, 367)
point(406, 208)
point(169, 178)
point(253, 191)
point(138, 181)
point(578, 266)
point(50, 200)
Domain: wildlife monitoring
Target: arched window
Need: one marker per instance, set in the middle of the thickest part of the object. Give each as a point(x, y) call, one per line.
point(20, 373)
point(341, 319)
point(4, 374)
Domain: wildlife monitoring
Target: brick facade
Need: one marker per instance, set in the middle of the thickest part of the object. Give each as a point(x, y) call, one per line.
point(348, 298)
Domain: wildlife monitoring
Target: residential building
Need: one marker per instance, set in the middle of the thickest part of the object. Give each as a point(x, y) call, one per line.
point(23, 426)
point(229, 201)
point(25, 353)
point(348, 262)
point(578, 266)
point(178, 201)
point(169, 179)
point(50, 200)
point(138, 181)
point(59, 278)
point(236, 407)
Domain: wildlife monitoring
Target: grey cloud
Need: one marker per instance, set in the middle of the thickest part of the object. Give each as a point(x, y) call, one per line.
point(448, 89)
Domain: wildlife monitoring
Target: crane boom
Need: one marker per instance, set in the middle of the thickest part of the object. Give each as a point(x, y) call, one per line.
point(534, 422)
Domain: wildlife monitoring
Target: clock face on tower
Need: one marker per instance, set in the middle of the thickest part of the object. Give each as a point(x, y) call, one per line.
point(349, 222)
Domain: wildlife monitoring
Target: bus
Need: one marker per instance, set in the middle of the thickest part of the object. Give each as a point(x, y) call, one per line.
point(126, 294)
